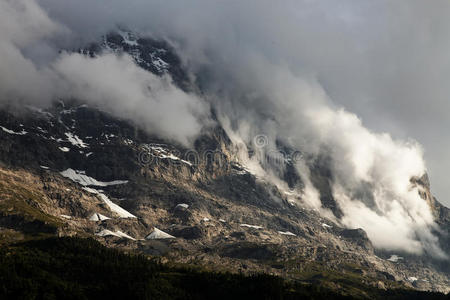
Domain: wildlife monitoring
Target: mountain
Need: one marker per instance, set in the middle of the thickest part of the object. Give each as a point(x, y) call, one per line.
point(74, 170)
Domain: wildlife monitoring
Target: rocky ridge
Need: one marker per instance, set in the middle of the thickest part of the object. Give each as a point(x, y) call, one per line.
point(74, 170)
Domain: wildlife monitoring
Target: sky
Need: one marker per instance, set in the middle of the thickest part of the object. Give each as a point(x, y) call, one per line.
point(364, 82)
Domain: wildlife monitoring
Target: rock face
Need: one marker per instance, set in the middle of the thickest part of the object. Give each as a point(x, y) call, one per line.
point(359, 237)
point(229, 219)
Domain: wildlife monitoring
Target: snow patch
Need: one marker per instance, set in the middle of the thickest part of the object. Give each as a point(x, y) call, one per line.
point(251, 226)
point(112, 206)
point(72, 110)
point(158, 234)
point(68, 111)
point(66, 217)
point(159, 151)
point(128, 38)
point(183, 205)
point(127, 142)
point(118, 233)
point(75, 140)
point(64, 149)
point(98, 217)
point(9, 131)
point(44, 167)
point(41, 130)
point(81, 178)
point(412, 279)
point(287, 233)
point(394, 258)
point(160, 64)
point(326, 225)
point(124, 235)
point(106, 232)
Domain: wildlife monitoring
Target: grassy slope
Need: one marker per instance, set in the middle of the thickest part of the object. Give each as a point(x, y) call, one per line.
point(20, 203)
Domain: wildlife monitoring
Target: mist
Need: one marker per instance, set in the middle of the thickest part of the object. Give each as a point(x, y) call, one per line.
point(34, 71)
point(322, 76)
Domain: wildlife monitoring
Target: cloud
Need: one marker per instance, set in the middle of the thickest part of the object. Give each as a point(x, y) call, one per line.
point(23, 24)
point(371, 172)
point(32, 72)
point(119, 86)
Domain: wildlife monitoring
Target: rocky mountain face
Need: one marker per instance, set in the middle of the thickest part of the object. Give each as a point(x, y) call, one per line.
point(72, 169)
